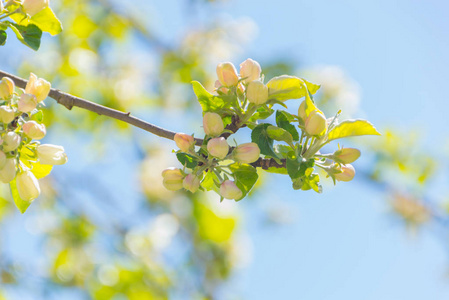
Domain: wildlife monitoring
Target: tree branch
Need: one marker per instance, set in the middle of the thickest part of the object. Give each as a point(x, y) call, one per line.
point(70, 101)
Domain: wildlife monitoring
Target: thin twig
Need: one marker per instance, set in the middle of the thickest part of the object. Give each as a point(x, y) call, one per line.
point(70, 101)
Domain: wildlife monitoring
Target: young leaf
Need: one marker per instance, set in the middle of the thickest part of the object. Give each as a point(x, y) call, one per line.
point(283, 120)
point(47, 21)
point(352, 128)
point(245, 177)
point(3, 36)
point(29, 35)
point(260, 136)
point(207, 101)
point(289, 87)
point(261, 113)
point(282, 150)
point(40, 171)
point(209, 182)
point(187, 160)
point(279, 134)
point(22, 205)
point(297, 166)
point(38, 116)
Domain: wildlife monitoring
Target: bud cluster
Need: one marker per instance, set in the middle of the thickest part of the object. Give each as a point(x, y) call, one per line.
point(21, 155)
point(242, 100)
point(210, 158)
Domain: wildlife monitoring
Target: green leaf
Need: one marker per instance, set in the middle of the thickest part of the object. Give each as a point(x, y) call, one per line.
point(29, 35)
point(3, 37)
point(245, 177)
point(261, 113)
point(22, 205)
point(352, 128)
point(209, 182)
point(187, 160)
point(275, 170)
point(289, 87)
point(313, 88)
point(297, 166)
point(280, 134)
point(260, 136)
point(282, 150)
point(38, 116)
point(40, 171)
point(283, 120)
point(47, 21)
point(207, 101)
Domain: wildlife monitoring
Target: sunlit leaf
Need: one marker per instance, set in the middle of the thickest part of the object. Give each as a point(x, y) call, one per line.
point(40, 171)
point(290, 87)
point(22, 205)
point(352, 128)
point(47, 21)
point(207, 101)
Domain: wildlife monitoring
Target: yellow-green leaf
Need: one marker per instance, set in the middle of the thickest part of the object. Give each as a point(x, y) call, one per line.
point(47, 21)
point(22, 205)
point(352, 128)
point(290, 87)
point(40, 171)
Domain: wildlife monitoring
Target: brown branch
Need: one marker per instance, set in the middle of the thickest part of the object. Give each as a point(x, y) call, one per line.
point(266, 163)
point(234, 126)
point(70, 101)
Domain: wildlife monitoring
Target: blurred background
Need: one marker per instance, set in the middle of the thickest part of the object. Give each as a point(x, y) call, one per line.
point(105, 228)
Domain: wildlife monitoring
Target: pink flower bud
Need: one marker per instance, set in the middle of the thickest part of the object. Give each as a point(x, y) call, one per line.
point(27, 186)
point(8, 172)
point(347, 173)
point(316, 123)
point(49, 154)
point(11, 141)
point(34, 130)
point(184, 141)
point(6, 114)
point(220, 88)
point(257, 92)
point(32, 7)
point(172, 179)
point(6, 88)
point(227, 74)
point(212, 124)
point(38, 87)
point(229, 190)
point(191, 183)
point(246, 153)
point(346, 155)
point(218, 147)
point(27, 102)
point(250, 70)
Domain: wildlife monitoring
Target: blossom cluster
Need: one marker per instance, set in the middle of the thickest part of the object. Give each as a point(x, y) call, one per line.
point(23, 159)
point(242, 99)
